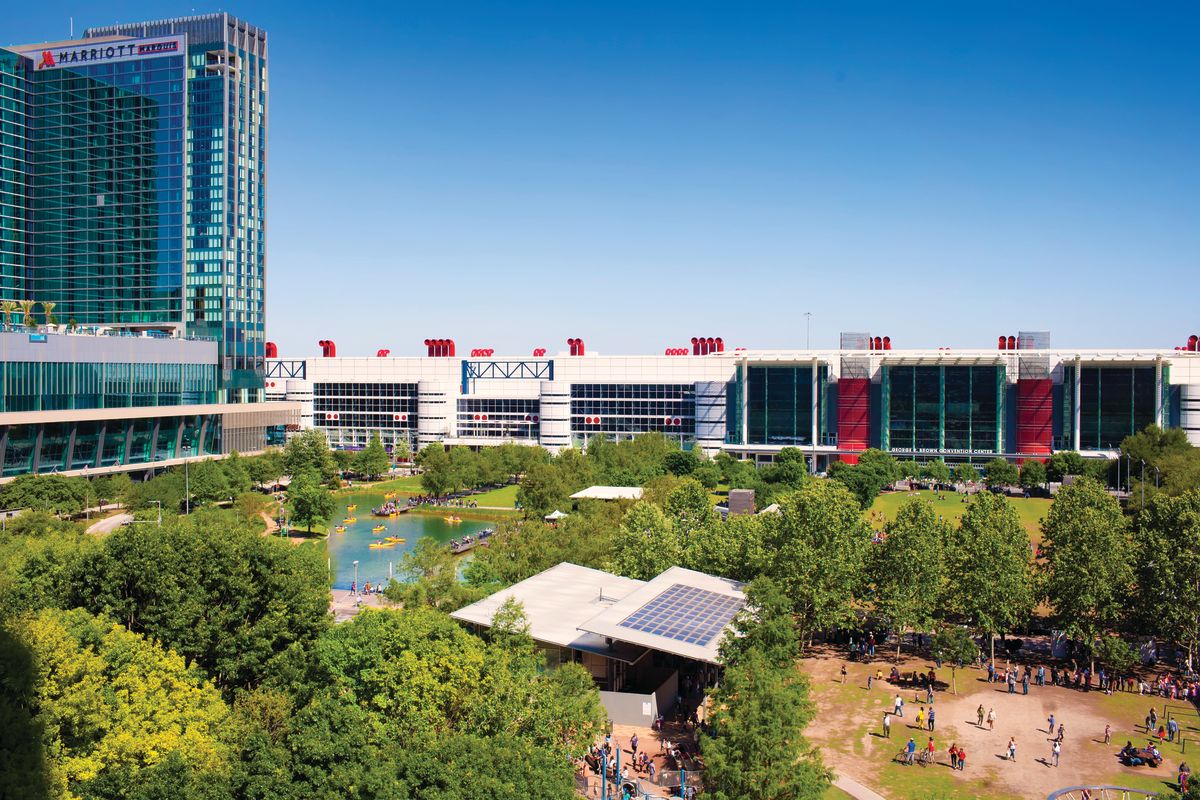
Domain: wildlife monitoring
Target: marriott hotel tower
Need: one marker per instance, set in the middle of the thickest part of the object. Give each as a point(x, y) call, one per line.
point(133, 184)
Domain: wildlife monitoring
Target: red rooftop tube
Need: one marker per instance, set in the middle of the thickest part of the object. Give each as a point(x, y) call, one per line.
point(1000, 342)
point(720, 345)
point(887, 343)
point(382, 353)
point(1012, 343)
point(1193, 342)
point(272, 350)
point(328, 348)
point(695, 346)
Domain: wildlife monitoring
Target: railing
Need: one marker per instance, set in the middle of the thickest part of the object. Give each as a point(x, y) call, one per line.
point(100, 330)
point(1102, 792)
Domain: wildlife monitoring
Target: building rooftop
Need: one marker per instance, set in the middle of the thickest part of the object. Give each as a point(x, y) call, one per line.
point(609, 493)
point(556, 602)
point(681, 611)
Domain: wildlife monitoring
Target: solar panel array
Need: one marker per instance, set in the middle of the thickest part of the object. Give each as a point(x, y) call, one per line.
point(685, 614)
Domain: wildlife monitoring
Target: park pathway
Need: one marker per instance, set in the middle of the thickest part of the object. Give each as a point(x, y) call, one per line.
point(854, 788)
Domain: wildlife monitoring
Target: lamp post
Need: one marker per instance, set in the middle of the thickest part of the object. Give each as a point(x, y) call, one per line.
point(355, 577)
point(807, 330)
point(187, 490)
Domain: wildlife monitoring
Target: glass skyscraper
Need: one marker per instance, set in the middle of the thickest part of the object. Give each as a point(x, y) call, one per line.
point(133, 182)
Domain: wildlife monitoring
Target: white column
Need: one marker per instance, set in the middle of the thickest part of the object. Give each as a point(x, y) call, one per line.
point(745, 401)
point(1158, 393)
point(816, 387)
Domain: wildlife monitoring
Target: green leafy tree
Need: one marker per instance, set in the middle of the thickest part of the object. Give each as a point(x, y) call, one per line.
point(910, 469)
point(212, 589)
point(206, 482)
point(965, 473)
point(344, 460)
point(820, 541)
point(688, 508)
point(1001, 472)
point(373, 461)
point(464, 468)
point(765, 625)
point(874, 471)
point(1114, 654)
point(1063, 463)
point(1088, 558)
point(543, 489)
point(464, 766)
point(429, 576)
point(1168, 570)
point(436, 474)
point(400, 450)
point(309, 503)
point(266, 467)
point(759, 752)
point(953, 645)
point(708, 474)
point(909, 569)
point(108, 705)
point(992, 582)
point(733, 549)
point(647, 543)
point(1033, 474)
point(56, 494)
point(936, 471)
point(516, 553)
point(309, 451)
point(237, 474)
point(681, 462)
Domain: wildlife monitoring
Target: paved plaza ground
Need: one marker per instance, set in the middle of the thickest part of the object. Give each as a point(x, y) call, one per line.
point(848, 732)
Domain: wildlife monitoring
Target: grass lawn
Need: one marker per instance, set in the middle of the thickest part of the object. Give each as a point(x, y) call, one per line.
point(504, 497)
point(834, 793)
point(406, 484)
point(1030, 511)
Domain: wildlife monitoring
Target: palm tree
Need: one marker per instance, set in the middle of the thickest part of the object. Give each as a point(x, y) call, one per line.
point(7, 309)
point(48, 307)
point(27, 312)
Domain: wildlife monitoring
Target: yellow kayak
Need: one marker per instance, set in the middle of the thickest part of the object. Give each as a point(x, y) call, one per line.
point(453, 520)
point(395, 539)
point(389, 496)
point(381, 544)
point(351, 507)
point(349, 520)
point(379, 529)
point(340, 529)
point(393, 515)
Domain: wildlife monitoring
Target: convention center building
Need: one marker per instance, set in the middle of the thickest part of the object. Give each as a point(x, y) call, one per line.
point(1021, 399)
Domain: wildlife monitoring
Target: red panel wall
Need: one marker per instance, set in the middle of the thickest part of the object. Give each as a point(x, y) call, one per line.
point(854, 416)
point(1035, 415)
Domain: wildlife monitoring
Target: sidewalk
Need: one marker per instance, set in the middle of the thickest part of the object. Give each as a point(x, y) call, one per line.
point(854, 788)
point(346, 606)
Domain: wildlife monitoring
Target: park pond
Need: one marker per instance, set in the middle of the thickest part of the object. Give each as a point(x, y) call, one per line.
point(377, 565)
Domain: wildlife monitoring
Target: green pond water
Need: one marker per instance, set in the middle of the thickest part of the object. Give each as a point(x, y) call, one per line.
point(374, 564)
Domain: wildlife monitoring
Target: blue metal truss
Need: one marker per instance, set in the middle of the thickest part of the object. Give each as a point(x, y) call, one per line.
point(521, 370)
point(286, 369)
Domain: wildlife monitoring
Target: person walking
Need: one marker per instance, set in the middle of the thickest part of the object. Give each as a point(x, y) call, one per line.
point(954, 756)
point(1062, 731)
point(633, 743)
point(1108, 734)
point(1050, 725)
point(991, 719)
point(1025, 683)
point(962, 758)
point(843, 673)
point(870, 679)
point(920, 718)
point(911, 750)
point(887, 725)
point(1041, 676)
point(930, 720)
point(898, 706)
point(1012, 748)
point(1172, 729)
point(979, 713)
point(1056, 751)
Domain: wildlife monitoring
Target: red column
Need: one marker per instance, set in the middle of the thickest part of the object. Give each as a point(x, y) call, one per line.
point(854, 416)
point(1035, 415)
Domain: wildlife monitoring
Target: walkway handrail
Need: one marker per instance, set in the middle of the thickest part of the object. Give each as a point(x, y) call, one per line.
point(1102, 792)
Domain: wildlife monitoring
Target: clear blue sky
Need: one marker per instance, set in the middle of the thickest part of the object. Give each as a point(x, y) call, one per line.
point(636, 173)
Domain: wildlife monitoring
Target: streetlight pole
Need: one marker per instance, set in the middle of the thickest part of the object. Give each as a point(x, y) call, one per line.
point(187, 490)
point(807, 330)
point(355, 578)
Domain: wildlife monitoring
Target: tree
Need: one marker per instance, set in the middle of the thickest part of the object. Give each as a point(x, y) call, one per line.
point(735, 548)
point(1114, 654)
point(910, 469)
point(759, 751)
point(965, 473)
point(954, 646)
point(207, 483)
point(344, 460)
point(436, 478)
point(866, 479)
point(237, 473)
point(681, 462)
point(56, 494)
point(1001, 472)
point(430, 577)
point(646, 544)
point(464, 468)
point(1168, 570)
point(108, 705)
point(373, 461)
point(400, 450)
point(266, 467)
point(820, 541)
point(309, 503)
point(1033, 474)
point(309, 451)
point(991, 569)
point(543, 489)
point(688, 508)
point(213, 589)
point(1063, 463)
point(908, 569)
point(936, 471)
point(765, 625)
point(708, 474)
point(1088, 557)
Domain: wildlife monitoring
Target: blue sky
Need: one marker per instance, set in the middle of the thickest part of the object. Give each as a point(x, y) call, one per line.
point(512, 174)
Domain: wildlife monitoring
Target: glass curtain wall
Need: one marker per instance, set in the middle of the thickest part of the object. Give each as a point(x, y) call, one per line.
point(780, 404)
point(954, 409)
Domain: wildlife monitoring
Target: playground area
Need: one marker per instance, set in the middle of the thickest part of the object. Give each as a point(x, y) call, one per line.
point(848, 730)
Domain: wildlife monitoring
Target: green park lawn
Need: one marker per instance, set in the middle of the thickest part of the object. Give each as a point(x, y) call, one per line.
point(504, 497)
point(1030, 511)
point(406, 484)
